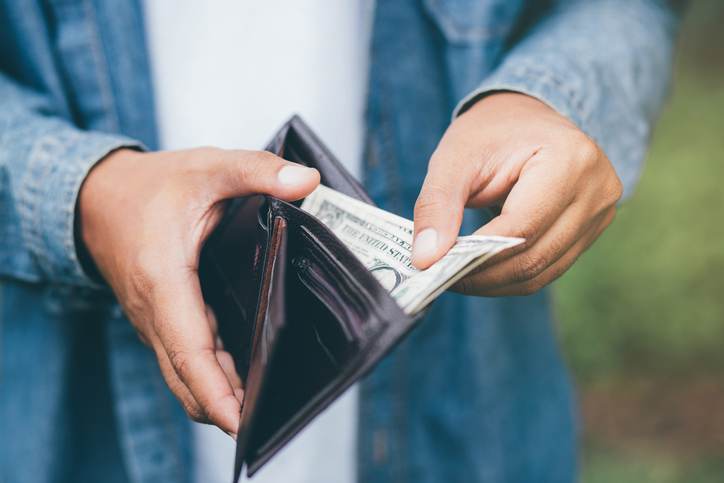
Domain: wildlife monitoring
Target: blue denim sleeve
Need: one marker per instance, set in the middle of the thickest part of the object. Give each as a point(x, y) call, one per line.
point(604, 64)
point(43, 162)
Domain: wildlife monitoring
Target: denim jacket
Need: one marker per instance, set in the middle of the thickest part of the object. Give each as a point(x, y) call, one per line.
point(477, 393)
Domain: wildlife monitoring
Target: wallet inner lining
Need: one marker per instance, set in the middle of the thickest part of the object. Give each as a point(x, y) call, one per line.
point(311, 348)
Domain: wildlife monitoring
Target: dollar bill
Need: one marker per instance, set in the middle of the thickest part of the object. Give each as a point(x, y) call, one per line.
point(382, 241)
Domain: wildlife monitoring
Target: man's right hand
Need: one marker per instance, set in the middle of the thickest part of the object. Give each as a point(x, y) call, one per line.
point(144, 218)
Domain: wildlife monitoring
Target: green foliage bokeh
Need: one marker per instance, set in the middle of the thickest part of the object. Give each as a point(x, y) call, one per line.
point(645, 305)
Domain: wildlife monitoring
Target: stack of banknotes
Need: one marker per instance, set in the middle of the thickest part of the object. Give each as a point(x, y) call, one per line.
point(383, 243)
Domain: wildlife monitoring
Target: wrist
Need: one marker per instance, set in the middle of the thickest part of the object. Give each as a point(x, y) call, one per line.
point(89, 205)
point(507, 100)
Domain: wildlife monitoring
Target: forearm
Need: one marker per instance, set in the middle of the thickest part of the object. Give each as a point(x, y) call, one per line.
point(604, 64)
point(43, 162)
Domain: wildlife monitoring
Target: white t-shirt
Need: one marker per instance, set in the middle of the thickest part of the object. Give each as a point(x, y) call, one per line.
point(228, 73)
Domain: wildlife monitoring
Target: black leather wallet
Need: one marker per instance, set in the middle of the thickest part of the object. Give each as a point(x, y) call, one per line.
point(302, 317)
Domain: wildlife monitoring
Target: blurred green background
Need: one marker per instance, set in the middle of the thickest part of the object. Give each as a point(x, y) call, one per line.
point(642, 313)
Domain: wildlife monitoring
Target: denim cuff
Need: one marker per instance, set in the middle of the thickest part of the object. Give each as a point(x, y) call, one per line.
point(619, 137)
point(57, 167)
point(562, 94)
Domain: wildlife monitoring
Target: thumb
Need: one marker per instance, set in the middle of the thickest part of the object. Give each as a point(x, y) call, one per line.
point(438, 212)
point(242, 173)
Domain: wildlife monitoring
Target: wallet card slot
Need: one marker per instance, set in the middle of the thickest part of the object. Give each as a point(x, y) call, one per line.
point(372, 303)
point(329, 262)
point(350, 298)
point(312, 278)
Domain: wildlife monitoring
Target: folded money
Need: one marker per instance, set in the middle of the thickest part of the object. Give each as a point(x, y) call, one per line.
point(382, 241)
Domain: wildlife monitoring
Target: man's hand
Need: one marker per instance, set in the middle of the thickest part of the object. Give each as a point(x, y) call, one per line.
point(558, 190)
point(144, 218)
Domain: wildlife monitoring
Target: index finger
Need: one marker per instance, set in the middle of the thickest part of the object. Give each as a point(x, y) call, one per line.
point(184, 332)
point(538, 198)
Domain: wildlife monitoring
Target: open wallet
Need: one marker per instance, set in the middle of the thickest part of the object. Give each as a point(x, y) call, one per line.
point(299, 313)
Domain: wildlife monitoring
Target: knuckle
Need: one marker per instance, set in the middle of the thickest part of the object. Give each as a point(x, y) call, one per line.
point(140, 288)
point(180, 363)
point(528, 267)
point(585, 148)
point(145, 270)
point(610, 194)
point(251, 168)
point(257, 163)
point(257, 168)
point(526, 227)
point(616, 191)
point(195, 412)
point(238, 167)
point(528, 232)
point(583, 153)
point(557, 246)
point(430, 198)
point(184, 362)
point(267, 157)
point(465, 286)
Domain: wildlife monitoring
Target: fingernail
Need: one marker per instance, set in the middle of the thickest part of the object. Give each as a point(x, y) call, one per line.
point(425, 244)
point(292, 175)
